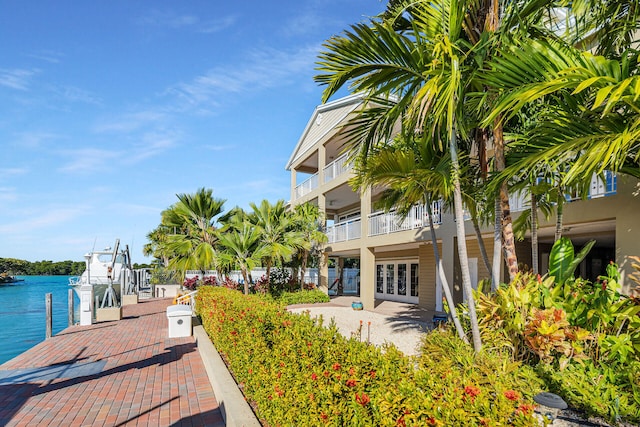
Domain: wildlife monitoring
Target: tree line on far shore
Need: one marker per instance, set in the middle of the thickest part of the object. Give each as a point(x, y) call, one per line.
point(21, 267)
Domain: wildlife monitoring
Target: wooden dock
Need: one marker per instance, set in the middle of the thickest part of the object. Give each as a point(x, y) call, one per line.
point(121, 373)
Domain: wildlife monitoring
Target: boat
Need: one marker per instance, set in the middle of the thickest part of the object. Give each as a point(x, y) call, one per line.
point(109, 271)
point(5, 278)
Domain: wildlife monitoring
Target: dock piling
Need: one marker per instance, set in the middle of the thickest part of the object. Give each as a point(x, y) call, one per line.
point(49, 316)
point(70, 305)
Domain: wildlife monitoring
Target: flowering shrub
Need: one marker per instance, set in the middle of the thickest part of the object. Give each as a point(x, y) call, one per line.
point(294, 371)
point(229, 283)
point(210, 281)
point(191, 284)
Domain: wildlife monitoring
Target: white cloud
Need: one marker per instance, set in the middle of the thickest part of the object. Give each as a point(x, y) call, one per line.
point(74, 94)
point(43, 219)
point(90, 160)
point(50, 56)
point(173, 21)
point(129, 122)
point(219, 147)
point(11, 172)
point(16, 78)
point(152, 144)
point(265, 68)
point(34, 139)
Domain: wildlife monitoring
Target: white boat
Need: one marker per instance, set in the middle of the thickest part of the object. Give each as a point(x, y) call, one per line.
point(109, 271)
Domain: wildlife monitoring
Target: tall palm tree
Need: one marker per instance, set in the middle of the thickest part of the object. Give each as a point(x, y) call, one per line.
point(413, 174)
point(194, 219)
point(416, 58)
point(277, 238)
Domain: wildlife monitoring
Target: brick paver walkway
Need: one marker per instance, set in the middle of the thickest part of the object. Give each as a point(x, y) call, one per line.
point(124, 373)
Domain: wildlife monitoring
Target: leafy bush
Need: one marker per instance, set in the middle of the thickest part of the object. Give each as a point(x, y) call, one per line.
point(576, 333)
point(294, 371)
point(303, 297)
point(191, 283)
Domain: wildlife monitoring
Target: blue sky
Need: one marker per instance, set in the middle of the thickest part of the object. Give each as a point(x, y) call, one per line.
point(108, 109)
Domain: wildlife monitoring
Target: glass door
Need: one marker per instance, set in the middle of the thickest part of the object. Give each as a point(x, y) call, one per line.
point(397, 281)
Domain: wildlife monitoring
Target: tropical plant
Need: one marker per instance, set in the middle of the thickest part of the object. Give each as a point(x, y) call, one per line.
point(278, 238)
point(563, 261)
point(240, 248)
point(413, 174)
point(194, 221)
point(307, 220)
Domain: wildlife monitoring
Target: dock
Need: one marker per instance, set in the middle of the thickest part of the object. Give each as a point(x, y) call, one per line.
point(120, 373)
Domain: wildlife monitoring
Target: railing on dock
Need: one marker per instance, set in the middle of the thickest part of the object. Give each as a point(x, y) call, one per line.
point(187, 299)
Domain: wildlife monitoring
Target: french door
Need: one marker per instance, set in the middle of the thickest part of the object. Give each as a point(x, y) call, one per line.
point(397, 280)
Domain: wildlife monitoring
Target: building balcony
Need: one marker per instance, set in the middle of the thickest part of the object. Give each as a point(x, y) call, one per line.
point(391, 222)
point(344, 231)
point(338, 167)
point(307, 186)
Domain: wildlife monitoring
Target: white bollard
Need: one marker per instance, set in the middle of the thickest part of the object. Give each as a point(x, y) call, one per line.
point(86, 305)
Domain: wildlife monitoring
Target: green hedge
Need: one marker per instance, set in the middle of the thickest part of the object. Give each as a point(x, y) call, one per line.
point(296, 372)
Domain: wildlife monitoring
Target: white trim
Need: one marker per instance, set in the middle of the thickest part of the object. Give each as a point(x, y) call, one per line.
point(356, 100)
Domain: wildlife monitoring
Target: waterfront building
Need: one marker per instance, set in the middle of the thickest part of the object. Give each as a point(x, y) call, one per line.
point(395, 257)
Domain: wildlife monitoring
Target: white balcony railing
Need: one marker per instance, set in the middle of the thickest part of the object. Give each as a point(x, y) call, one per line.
point(385, 223)
point(607, 185)
point(344, 231)
point(337, 168)
point(307, 186)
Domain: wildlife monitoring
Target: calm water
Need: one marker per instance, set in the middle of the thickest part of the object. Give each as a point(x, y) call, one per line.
point(23, 316)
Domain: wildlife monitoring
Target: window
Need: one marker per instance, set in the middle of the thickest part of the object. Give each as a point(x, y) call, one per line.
point(402, 279)
point(414, 280)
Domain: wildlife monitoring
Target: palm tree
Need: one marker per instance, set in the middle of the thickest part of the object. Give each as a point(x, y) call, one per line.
point(277, 239)
point(240, 247)
point(592, 124)
point(413, 174)
point(194, 219)
point(416, 56)
point(307, 220)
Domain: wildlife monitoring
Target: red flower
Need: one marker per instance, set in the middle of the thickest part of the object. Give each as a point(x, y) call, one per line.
point(372, 374)
point(336, 366)
point(326, 374)
point(352, 371)
point(472, 390)
point(525, 409)
point(511, 395)
point(323, 415)
point(401, 422)
point(351, 382)
point(363, 399)
point(314, 376)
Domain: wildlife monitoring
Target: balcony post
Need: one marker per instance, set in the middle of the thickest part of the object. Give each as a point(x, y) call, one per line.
point(293, 184)
point(322, 161)
point(365, 211)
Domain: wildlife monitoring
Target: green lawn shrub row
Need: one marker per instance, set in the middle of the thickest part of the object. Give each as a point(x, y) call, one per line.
point(296, 372)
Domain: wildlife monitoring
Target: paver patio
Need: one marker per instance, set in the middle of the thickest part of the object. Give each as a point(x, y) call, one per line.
point(121, 373)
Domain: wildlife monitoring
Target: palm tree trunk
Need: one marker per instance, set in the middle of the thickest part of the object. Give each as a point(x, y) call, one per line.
point(303, 268)
point(534, 234)
point(462, 243)
point(483, 249)
point(443, 278)
point(245, 276)
point(507, 227)
point(497, 247)
point(559, 215)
